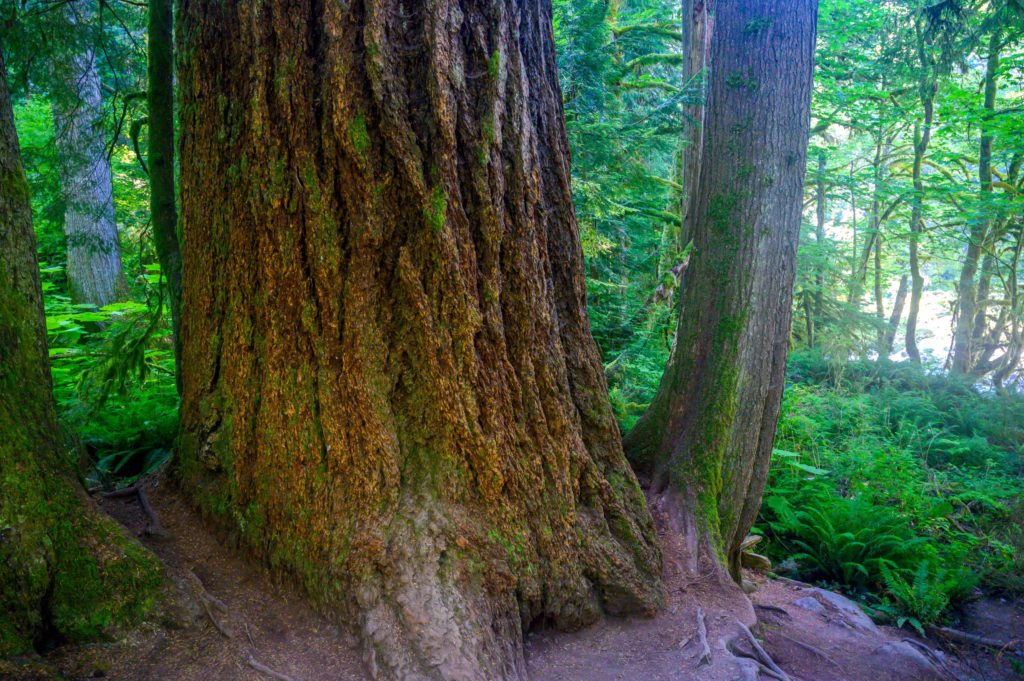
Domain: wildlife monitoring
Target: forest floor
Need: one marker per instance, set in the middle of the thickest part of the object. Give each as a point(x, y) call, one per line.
point(229, 619)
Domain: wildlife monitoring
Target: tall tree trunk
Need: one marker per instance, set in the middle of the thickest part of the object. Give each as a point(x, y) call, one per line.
point(711, 447)
point(894, 318)
point(162, 205)
point(93, 252)
point(964, 352)
point(927, 88)
point(390, 390)
point(879, 296)
point(68, 573)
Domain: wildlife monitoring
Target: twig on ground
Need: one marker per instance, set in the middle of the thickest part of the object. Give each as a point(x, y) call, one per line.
point(263, 669)
point(154, 529)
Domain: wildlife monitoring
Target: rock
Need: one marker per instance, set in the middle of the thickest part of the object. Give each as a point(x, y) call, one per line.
point(810, 603)
point(850, 611)
point(755, 561)
point(906, 661)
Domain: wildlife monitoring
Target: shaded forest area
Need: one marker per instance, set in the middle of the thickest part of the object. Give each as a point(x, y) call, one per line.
point(464, 325)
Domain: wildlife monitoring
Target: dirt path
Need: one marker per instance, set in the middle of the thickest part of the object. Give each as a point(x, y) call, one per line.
point(813, 635)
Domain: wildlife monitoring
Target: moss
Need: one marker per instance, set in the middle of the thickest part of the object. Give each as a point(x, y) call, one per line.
point(758, 25)
point(359, 135)
point(494, 64)
point(436, 211)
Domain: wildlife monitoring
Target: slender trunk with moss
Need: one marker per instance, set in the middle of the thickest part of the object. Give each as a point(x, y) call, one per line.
point(94, 269)
point(162, 206)
point(711, 446)
point(894, 318)
point(390, 390)
point(67, 572)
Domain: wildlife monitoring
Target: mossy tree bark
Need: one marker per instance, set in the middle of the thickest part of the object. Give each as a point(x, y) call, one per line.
point(94, 269)
point(66, 571)
point(390, 387)
point(709, 442)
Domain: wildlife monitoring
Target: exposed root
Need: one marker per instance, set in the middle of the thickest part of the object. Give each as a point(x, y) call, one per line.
point(963, 637)
point(758, 655)
point(153, 528)
point(263, 669)
point(206, 599)
point(934, 657)
point(817, 652)
point(775, 610)
point(702, 637)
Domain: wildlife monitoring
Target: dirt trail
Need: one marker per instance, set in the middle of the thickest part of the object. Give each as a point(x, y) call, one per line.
point(813, 635)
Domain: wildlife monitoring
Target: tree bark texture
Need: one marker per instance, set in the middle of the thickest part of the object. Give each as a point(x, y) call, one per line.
point(723, 385)
point(390, 390)
point(67, 572)
point(162, 200)
point(94, 268)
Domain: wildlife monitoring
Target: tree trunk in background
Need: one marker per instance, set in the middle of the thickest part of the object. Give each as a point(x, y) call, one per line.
point(927, 89)
point(68, 570)
point(162, 205)
point(819, 241)
point(964, 351)
point(93, 252)
point(711, 447)
point(894, 318)
point(390, 387)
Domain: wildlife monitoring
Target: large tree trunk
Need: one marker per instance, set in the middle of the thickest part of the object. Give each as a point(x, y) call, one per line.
point(162, 205)
point(964, 350)
point(93, 252)
point(390, 387)
point(711, 446)
point(66, 571)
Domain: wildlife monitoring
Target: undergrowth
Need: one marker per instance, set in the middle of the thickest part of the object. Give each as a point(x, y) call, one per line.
point(900, 488)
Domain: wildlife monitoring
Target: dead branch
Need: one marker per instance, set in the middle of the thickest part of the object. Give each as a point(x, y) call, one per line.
point(974, 639)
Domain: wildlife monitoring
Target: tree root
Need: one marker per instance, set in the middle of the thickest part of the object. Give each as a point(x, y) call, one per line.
point(206, 599)
point(817, 652)
point(701, 634)
point(759, 655)
point(263, 669)
point(964, 637)
point(931, 655)
point(153, 528)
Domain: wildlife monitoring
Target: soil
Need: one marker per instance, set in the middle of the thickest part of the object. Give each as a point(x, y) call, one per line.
point(227, 619)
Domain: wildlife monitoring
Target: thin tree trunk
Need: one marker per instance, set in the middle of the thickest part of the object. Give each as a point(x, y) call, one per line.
point(162, 205)
point(94, 268)
point(894, 318)
point(964, 352)
point(390, 387)
point(69, 573)
point(819, 240)
point(879, 295)
point(928, 86)
point(710, 449)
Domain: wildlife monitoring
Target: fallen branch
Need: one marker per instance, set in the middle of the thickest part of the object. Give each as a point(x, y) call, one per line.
point(263, 669)
point(702, 633)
